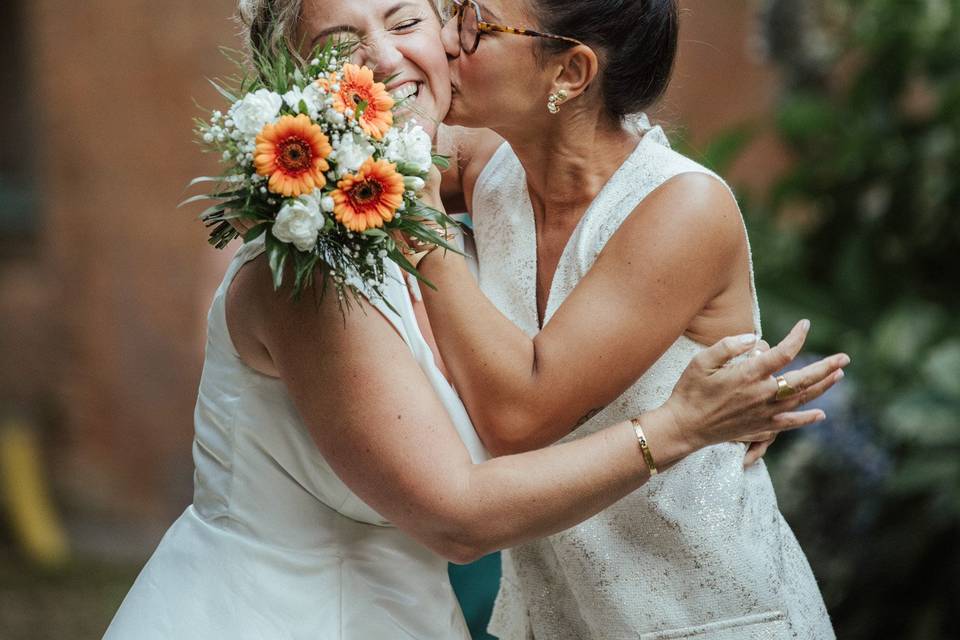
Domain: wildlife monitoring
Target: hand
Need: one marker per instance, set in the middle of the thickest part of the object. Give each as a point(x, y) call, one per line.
point(716, 401)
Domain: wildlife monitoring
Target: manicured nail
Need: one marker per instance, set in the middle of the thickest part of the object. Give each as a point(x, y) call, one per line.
point(844, 360)
point(805, 325)
point(748, 338)
point(840, 374)
point(821, 417)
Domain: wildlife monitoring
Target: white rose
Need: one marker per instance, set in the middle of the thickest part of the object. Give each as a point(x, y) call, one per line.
point(411, 146)
point(352, 152)
point(311, 96)
point(255, 111)
point(299, 222)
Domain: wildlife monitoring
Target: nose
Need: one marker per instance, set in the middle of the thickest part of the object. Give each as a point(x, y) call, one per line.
point(451, 38)
point(383, 57)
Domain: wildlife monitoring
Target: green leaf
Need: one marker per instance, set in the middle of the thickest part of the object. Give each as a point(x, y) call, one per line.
point(277, 252)
point(361, 107)
point(224, 92)
point(254, 233)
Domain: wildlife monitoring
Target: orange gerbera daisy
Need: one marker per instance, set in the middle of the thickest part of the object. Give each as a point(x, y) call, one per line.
point(357, 87)
point(293, 154)
point(368, 198)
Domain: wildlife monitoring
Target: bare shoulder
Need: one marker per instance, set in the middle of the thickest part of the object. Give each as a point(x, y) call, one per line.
point(694, 211)
point(687, 235)
point(262, 320)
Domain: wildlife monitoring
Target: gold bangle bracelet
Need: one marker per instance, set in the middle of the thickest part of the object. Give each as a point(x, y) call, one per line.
point(644, 447)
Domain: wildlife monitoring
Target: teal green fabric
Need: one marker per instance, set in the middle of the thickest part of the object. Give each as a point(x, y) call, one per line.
point(476, 587)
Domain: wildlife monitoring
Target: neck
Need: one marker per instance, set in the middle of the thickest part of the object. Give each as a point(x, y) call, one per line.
point(568, 159)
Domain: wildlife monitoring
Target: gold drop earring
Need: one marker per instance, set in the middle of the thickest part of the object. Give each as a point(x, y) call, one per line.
point(555, 100)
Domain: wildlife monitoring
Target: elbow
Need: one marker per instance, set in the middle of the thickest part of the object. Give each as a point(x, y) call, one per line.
point(462, 551)
point(512, 432)
point(459, 546)
point(464, 539)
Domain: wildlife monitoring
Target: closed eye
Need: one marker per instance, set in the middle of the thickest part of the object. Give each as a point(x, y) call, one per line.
point(406, 25)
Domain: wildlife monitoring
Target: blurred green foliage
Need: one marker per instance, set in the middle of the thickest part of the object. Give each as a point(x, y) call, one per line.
point(861, 235)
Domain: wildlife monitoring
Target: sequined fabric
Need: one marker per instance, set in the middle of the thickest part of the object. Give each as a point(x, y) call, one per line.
point(700, 551)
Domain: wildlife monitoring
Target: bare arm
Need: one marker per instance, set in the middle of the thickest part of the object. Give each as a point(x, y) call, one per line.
point(378, 423)
point(686, 237)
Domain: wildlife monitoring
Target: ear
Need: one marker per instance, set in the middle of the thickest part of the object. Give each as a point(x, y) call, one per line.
point(577, 68)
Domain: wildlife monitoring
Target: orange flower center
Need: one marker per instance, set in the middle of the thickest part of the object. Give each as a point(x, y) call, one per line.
point(366, 191)
point(296, 155)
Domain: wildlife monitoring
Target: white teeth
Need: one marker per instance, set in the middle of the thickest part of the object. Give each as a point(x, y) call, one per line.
point(407, 90)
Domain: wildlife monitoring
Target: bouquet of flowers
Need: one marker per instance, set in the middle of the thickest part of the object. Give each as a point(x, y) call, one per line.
point(314, 158)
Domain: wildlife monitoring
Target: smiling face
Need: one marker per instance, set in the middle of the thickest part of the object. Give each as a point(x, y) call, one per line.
point(398, 39)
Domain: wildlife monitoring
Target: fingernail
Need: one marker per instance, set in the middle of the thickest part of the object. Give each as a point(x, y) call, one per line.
point(840, 374)
point(805, 325)
point(748, 338)
point(821, 417)
point(844, 360)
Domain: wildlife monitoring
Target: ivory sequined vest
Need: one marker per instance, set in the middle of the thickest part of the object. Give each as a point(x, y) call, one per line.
point(700, 551)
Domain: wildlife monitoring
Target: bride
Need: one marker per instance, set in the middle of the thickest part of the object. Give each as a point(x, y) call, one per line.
point(336, 469)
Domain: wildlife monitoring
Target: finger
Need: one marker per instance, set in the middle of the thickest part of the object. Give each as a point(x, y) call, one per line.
point(778, 357)
point(756, 451)
point(810, 382)
point(720, 353)
point(812, 393)
point(817, 372)
point(762, 436)
point(796, 419)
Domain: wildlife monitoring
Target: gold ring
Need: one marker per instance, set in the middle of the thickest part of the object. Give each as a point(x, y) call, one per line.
point(784, 390)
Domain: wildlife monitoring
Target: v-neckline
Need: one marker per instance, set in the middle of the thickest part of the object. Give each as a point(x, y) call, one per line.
point(531, 219)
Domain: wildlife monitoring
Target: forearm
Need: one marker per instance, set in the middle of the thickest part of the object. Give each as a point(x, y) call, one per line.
point(521, 497)
point(488, 357)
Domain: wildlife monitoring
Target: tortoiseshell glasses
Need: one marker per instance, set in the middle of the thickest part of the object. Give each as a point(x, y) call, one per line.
point(470, 24)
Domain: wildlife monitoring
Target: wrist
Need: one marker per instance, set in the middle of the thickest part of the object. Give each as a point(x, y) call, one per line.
point(666, 438)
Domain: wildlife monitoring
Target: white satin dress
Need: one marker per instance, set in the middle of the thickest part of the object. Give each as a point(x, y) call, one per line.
point(275, 546)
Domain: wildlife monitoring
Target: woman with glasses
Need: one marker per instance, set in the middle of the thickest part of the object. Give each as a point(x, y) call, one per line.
point(607, 262)
point(337, 470)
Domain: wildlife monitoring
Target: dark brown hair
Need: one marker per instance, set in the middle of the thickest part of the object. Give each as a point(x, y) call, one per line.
point(636, 41)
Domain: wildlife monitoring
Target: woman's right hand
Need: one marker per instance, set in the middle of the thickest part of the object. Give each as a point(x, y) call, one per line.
point(718, 401)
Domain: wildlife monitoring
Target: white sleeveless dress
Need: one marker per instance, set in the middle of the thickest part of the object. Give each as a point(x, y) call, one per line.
point(275, 546)
point(700, 551)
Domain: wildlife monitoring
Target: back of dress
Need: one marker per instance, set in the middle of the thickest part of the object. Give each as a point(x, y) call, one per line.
point(701, 550)
point(275, 545)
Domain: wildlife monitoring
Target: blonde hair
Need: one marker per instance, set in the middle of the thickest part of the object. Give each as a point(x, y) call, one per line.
point(269, 25)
